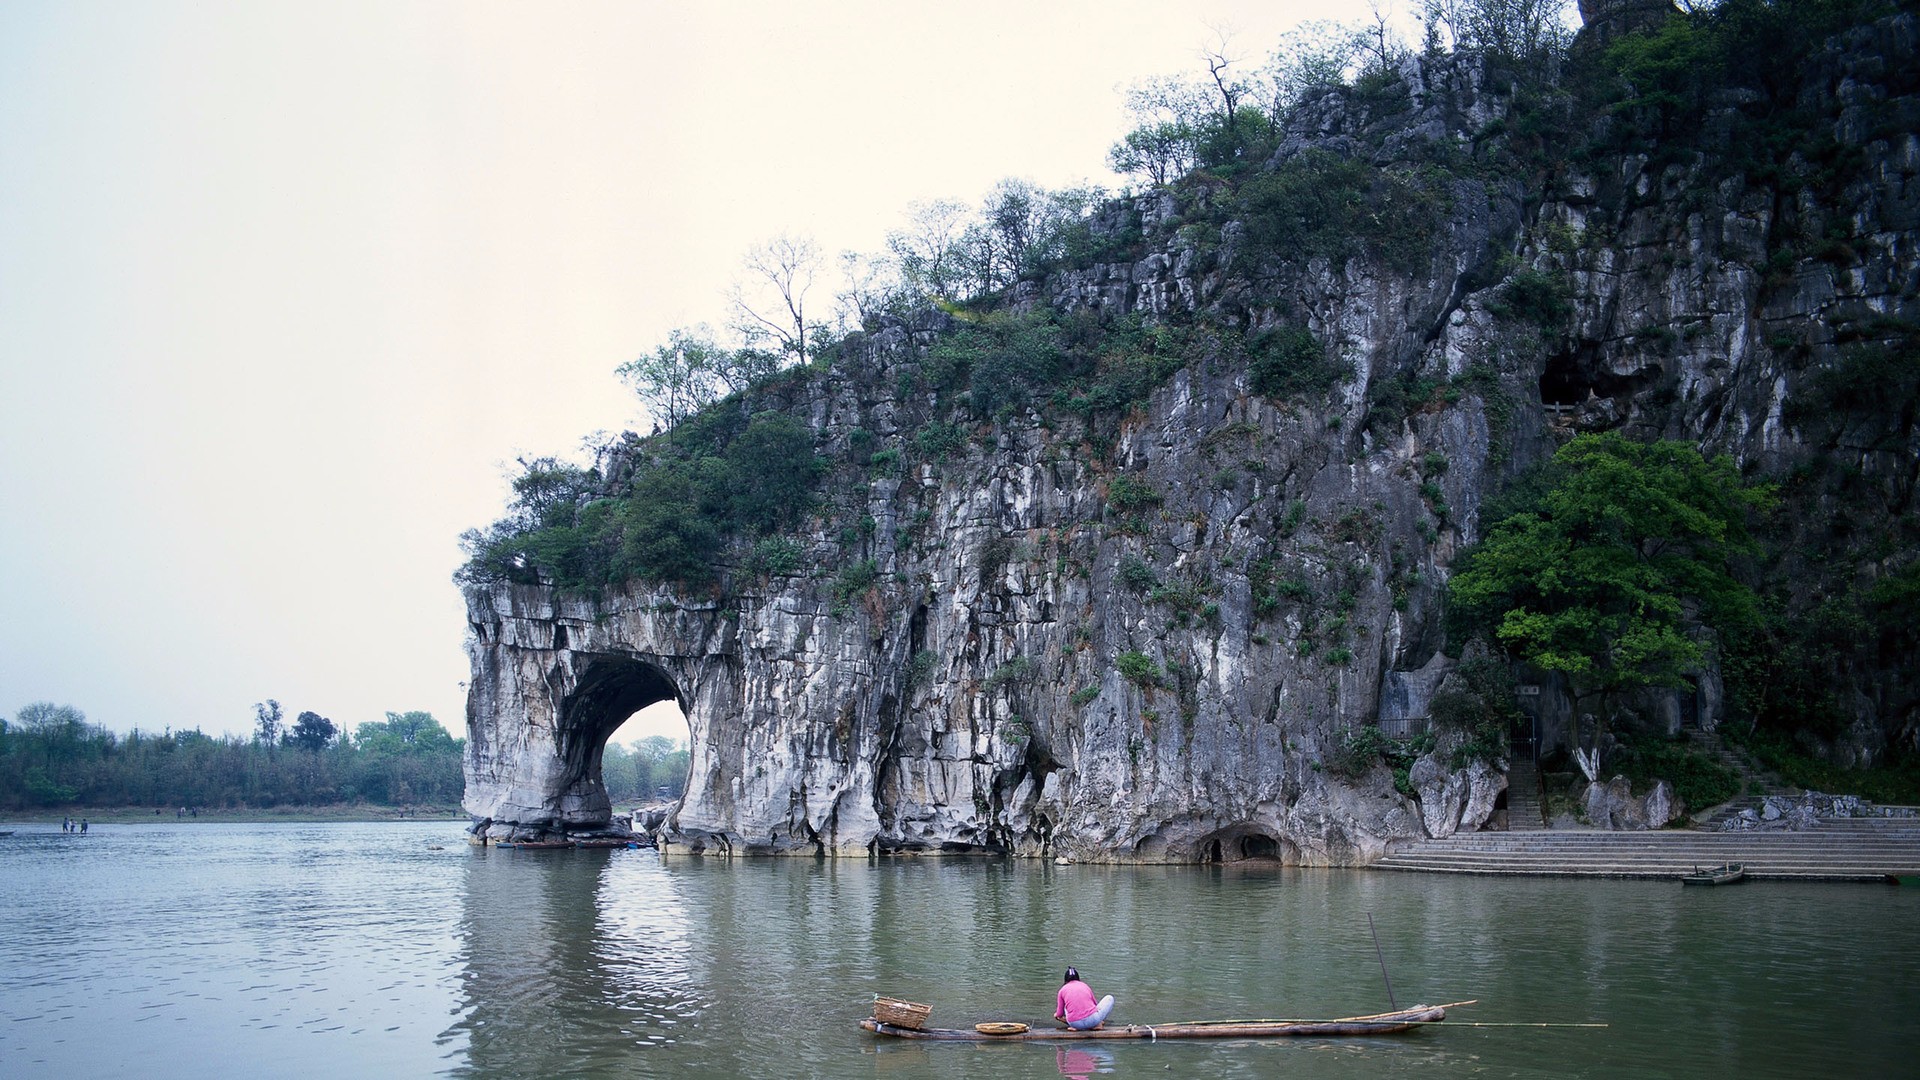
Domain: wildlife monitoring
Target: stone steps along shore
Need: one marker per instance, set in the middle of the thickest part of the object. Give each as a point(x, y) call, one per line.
point(1860, 849)
point(1757, 871)
point(1544, 841)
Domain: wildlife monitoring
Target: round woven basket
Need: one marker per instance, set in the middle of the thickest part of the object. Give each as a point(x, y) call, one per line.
point(1000, 1027)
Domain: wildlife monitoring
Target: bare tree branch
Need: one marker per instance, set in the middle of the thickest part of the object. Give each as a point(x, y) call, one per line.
point(771, 304)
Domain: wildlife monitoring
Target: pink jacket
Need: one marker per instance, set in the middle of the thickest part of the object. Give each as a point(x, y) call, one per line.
point(1075, 1001)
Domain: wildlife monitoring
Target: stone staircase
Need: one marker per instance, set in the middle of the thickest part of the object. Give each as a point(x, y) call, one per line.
point(1715, 818)
point(1524, 810)
point(1838, 849)
point(1710, 744)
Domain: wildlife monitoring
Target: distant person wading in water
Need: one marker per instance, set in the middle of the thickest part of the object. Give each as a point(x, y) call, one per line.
point(1075, 1006)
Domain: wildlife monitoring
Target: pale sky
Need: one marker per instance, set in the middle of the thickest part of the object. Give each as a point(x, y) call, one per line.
point(285, 286)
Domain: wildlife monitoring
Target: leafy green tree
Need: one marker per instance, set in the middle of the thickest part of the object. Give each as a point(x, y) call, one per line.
point(664, 534)
point(49, 752)
point(403, 733)
point(680, 377)
point(927, 252)
point(1021, 228)
point(660, 763)
point(52, 723)
point(1003, 357)
point(1161, 151)
point(1169, 112)
point(311, 731)
point(547, 491)
point(1226, 120)
point(406, 758)
point(1611, 573)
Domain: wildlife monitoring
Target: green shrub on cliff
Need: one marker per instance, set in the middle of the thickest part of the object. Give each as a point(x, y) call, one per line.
point(712, 480)
point(1319, 203)
point(1290, 362)
point(1138, 668)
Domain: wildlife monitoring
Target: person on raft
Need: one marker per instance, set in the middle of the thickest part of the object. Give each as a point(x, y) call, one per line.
point(1075, 1006)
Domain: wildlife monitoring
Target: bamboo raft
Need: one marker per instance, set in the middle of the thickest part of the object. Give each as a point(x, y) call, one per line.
point(1386, 1023)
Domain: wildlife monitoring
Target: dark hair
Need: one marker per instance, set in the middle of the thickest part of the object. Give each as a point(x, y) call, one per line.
point(1073, 975)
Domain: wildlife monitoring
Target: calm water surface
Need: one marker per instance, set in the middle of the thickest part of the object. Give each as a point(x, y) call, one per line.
point(328, 950)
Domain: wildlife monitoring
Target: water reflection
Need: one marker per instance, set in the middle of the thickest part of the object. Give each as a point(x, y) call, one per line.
point(1079, 1063)
point(567, 968)
point(395, 950)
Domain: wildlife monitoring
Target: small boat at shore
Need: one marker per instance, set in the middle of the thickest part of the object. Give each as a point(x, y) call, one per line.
point(1387, 1023)
point(1719, 875)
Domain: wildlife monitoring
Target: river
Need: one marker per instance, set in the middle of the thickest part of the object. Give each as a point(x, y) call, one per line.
point(397, 950)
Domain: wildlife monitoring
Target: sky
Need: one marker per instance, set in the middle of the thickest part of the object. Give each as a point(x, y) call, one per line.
point(286, 288)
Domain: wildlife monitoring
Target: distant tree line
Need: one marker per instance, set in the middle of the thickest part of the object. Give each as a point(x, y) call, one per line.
point(652, 769)
point(50, 756)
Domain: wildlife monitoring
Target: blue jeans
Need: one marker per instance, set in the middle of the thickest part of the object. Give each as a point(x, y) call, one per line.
point(1095, 1018)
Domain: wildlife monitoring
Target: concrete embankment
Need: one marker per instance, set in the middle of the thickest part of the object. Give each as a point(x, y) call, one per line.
point(1857, 849)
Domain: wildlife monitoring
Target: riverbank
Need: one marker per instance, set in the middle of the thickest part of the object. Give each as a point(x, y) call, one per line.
point(147, 815)
point(1856, 849)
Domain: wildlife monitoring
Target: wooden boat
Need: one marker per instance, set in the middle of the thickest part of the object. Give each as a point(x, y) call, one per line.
point(1719, 875)
point(1386, 1023)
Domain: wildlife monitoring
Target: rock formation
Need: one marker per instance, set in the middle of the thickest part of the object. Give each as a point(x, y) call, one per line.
point(1149, 637)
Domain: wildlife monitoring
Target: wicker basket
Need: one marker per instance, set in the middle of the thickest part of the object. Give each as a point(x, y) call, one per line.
point(906, 1014)
point(1001, 1027)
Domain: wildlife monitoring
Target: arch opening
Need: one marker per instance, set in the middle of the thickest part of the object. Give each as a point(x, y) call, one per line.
point(613, 696)
point(644, 762)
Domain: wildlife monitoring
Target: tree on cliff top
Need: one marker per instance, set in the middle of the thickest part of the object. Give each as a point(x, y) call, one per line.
point(769, 307)
point(1608, 574)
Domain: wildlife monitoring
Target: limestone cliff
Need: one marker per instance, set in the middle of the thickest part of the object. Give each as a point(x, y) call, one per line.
point(1148, 632)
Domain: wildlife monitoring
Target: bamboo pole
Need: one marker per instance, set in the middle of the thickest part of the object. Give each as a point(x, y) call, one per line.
point(1383, 1018)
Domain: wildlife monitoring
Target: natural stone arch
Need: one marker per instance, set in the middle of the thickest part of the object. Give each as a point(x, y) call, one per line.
point(553, 678)
point(609, 690)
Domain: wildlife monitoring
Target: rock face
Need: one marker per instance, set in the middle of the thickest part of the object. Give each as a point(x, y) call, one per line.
point(1613, 805)
point(1460, 800)
point(1145, 638)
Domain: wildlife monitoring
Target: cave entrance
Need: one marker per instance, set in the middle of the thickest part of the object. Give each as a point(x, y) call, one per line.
point(1570, 378)
point(625, 733)
point(1565, 383)
point(1239, 846)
